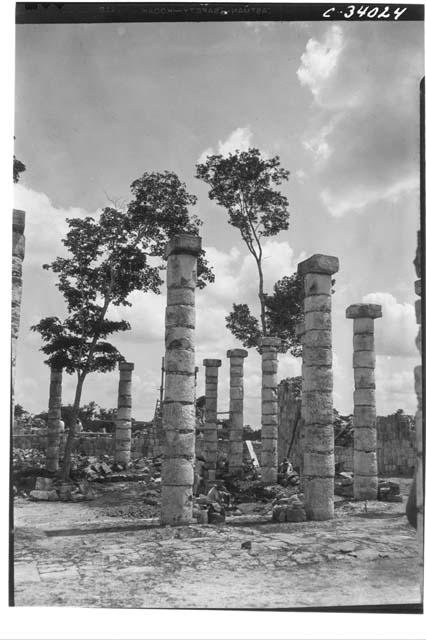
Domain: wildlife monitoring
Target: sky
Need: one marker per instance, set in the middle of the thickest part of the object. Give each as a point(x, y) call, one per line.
point(97, 105)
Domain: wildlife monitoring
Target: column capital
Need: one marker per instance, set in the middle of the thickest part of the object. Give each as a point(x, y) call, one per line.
point(126, 366)
point(269, 341)
point(184, 243)
point(318, 263)
point(363, 310)
point(236, 353)
point(212, 363)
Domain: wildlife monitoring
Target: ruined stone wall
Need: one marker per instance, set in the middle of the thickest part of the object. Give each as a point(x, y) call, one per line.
point(396, 439)
point(87, 443)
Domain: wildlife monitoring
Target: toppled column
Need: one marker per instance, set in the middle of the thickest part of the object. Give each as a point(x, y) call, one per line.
point(210, 426)
point(365, 437)
point(178, 407)
point(269, 453)
point(123, 423)
point(236, 408)
point(318, 386)
point(54, 422)
point(18, 253)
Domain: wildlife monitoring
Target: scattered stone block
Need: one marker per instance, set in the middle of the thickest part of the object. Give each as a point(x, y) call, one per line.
point(279, 513)
point(295, 515)
point(43, 484)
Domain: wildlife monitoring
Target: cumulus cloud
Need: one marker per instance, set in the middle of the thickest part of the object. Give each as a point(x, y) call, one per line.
point(395, 385)
point(363, 132)
point(238, 140)
point(395, 332)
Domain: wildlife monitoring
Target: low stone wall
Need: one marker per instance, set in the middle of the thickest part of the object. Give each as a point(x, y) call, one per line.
point(90, 444)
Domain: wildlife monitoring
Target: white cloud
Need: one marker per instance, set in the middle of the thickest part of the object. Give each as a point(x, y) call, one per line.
point(320, 60)
point(363, 132)
point(238, 140)
point(395, 385)
point(396, 330)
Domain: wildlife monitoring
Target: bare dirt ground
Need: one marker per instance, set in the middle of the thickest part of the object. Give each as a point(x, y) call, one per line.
point(103, 554)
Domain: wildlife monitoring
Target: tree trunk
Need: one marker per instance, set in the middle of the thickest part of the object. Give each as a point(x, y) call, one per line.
point(261, 297)
point(66, 463)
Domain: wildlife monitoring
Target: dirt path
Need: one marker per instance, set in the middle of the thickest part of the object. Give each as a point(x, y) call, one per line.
point(359, 558)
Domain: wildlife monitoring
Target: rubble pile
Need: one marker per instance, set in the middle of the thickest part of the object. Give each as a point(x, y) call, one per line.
point(343, 484)
point(389, 491)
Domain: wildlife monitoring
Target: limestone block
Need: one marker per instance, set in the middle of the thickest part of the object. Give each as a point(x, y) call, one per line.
point(269, 395)
point(365, 439)
point(180, 444)
point(236, 393)
point(365, 463)
point(319, 356)
point(180, 315)
point(237, 421)
point(317, 320)
point(271, 343)
point(269, 366)
point(318, 303)
point(269, 408)
point(179, 416)
point(213, 364)
point(269, 419)
point(179, 388)
point(319, 498)
point(270, 431)
point(181, 273)
point(364, 416)
point(364, 359)
point(210, 436)
point(418, 380)
point(236, 364)
point(177, 471)
point(269, 446)
point(365, 397)
point(269, 474)
point(316, 338)
point(179, 338)
point(363, 325)
point(179, 360)
point(317, 284)
point(364, 378)
point(318, 379)
point(418, 288)
point(176, 505)
point(318, 263)
point(237, 354)
point(319, 407)
point(319, 438)
point(364, 311)
point(319, 464)
point(418, 340)
point(418, 310)
point(211, 404)
point(180, 296)
point(363, 342)
point(269, 381)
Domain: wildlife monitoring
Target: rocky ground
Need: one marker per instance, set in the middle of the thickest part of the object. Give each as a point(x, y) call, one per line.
point(109, 552)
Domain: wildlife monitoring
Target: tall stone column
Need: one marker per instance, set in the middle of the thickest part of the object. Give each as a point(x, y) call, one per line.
point(365, 437)
point(123, 423)
point(18, 253)
point(418, 388)
point(236, 408)
point(318, 386)
point(269, 453)
point(210, 426)
point(178, 407)
point(300, 332)
point(54, 424)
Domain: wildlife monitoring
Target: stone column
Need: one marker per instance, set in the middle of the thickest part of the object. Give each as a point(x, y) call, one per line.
point(123, 422)
point(418, 389)
point(365, 436)
point(300, 332)
point(210, 426)
point(18, 253)
point(54, 422)
point(269, 453)
point(318, 386)
point(236, 408)
point(178, 407)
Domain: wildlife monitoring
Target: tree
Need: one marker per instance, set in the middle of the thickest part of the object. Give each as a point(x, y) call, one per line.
point(18, 168)
point(283, 310)
point(20, 412)
point(244, 183)
point(107, 261)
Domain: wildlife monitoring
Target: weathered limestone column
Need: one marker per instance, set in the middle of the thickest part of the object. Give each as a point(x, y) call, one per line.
point(210, 426)
point(123, 423)
point(300, 332)
point(365, 437)
point(18, 253)
point(269, 453)
point(236, 408)
point(178, 407)
point(318, 387)
point(54, 422)
point(418, 388)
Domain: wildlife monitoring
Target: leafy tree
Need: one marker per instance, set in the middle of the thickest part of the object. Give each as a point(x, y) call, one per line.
point(245, 184)
point(18, 168)
point(283, 310)
point(20, 412)
point(107, 261)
